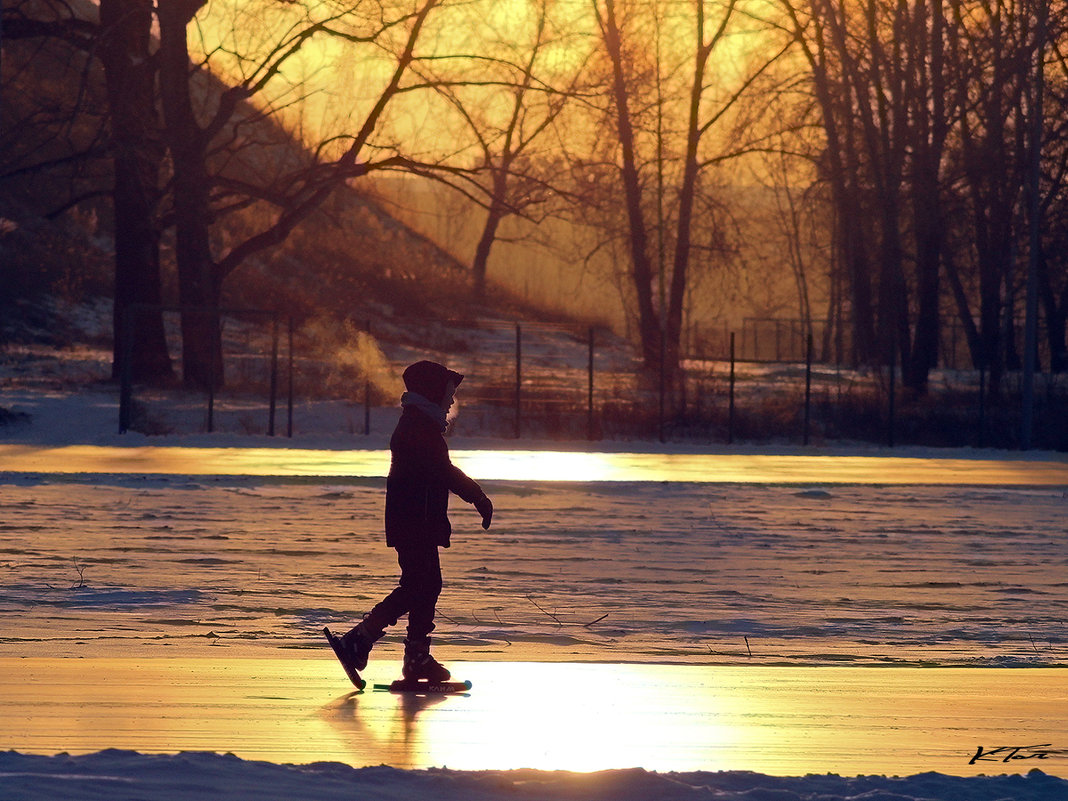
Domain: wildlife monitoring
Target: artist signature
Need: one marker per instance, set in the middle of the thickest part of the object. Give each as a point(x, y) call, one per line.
point(1008, 753)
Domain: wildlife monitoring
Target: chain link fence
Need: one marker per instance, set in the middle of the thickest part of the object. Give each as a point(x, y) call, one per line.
point(764, 383)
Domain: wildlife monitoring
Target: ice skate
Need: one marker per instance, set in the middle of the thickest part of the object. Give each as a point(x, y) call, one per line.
point(420, 665)
point(358, 643)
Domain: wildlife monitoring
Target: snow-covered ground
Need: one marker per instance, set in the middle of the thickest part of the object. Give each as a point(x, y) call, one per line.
point(687, 572)
point(111, 775)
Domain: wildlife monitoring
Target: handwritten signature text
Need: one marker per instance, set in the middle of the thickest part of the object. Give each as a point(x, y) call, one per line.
point(1008, 753)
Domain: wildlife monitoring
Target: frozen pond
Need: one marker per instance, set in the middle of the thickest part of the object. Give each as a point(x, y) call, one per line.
point(544, 465)
point(582, 717)
point(687, 572)
point(784, 614)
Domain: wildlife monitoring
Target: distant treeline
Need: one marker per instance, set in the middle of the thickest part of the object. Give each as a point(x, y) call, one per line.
point(895, 165)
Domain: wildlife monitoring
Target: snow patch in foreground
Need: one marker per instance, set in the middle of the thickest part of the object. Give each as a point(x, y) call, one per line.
point(118, 775)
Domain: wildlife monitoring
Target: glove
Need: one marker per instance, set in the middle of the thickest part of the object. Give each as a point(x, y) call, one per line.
point(485, 508)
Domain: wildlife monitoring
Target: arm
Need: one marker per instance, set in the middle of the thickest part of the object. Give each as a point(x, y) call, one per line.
point(469, 490)
point(422, 452)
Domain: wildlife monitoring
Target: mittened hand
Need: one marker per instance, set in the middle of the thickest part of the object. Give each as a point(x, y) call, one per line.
point(485, 508)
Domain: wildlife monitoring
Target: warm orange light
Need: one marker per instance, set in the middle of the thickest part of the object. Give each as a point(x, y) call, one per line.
point(546, 465)
point(785, 721)
point(583, 717)
point(534, 465)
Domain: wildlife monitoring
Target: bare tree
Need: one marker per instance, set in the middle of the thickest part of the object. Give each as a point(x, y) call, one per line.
point(690, 97)
point(218, 158)
point(120, 42)
point(138, 152)
point(509, 105)
point(925, 113)
point(984, 53)
point(201, 197)
point(1053, 210)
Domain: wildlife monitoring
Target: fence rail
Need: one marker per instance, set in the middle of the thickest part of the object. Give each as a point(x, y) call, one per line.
point(770, 339)
point(245, 358)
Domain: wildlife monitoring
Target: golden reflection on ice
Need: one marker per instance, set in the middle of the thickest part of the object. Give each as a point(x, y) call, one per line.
point(774, 720)
point(534, 465)
point(785, 721)
point(540, 465)
point(580, 718)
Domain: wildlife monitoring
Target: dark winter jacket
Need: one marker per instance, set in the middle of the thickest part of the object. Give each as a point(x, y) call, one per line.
point(421, 475)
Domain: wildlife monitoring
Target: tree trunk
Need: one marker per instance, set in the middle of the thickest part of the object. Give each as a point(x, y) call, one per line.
point(994, 249)
point(892, 322)
point(1056, 319)
point(687, 196)
point(1055, 333)
point(964, 312)
point(129, 77)
point(641, 267)
point(842, 166)
point(927, 223)
point(198, 285)
point(497, 212)
point(927, 99)
point(482, 252)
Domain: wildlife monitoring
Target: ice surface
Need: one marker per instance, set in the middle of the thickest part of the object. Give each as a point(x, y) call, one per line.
point(641, 571)
point(677, 572)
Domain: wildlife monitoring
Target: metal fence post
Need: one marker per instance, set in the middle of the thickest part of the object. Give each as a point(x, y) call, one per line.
point(367, 394)
point(128, 329)
point(730, 406)
point(663, 380)
point(274, 375)
point(126, 370)
point(289, 381)
point(891, 411)
point(982, 406)
point(589, 394)
point(808, 385)
point(518, 380)
point(215, 321)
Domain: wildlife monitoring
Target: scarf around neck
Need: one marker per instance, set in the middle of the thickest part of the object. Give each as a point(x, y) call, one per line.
point(432, 410)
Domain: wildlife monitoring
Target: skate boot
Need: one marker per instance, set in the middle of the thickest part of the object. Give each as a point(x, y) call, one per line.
point(358, 642)
point(419, 664)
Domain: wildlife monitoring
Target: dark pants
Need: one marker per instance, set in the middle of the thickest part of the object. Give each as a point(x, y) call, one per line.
point(416, 595)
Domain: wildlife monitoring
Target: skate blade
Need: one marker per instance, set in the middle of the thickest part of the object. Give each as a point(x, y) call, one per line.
point(339, 652)
point(422, 686)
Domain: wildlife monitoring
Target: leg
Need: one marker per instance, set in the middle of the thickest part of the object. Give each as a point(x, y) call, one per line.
point(421, 576)
point(416, 594)
point(421, 580)
point(361, 638)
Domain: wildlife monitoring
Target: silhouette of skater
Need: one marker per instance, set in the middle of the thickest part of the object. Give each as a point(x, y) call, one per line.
point(421, 476)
